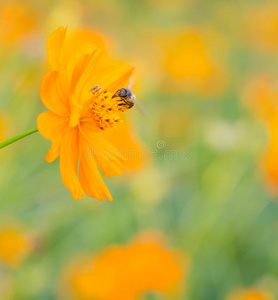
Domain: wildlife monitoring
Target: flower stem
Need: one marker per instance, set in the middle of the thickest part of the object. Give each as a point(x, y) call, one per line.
point(18, 137)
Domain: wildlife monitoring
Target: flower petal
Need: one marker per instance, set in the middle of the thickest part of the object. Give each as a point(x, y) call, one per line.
point(52, 127)
point(107, 157)
point(91, 67)
point(54, 92)
point(81, 70)
point(86, 60)
point(69, 162)
point(113, 77)
point(89, 175)
point(54, 47)
point(76, 40)
point(122, 139)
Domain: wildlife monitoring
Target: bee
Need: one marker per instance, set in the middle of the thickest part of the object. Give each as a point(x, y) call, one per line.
point(126, 97)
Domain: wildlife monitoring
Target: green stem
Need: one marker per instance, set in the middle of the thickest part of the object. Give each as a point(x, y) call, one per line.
point(18, 137)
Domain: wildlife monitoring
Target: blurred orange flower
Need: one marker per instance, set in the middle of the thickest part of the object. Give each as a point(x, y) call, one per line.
point(270, 159)
point(261, 94)
point(83, 123)
point(252, 294)
point(14, 246)
point(188, 58)
point(16, 21)
point(127, 272)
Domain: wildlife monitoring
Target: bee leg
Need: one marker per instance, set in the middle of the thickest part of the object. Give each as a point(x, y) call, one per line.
point(95, 89)
point(98, 89)
point(121, 101)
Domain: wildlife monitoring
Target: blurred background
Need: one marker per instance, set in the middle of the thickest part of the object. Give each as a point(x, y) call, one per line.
point(198, 221)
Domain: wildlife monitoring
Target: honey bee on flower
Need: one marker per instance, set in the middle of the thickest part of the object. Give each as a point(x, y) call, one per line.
point(106, 108)
point(126, 99)
point(78, 120)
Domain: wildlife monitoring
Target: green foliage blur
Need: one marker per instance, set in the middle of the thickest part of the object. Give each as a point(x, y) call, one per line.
point(203, 186)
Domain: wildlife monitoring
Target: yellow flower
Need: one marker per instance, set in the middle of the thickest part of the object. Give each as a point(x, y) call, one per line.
point(85, 125)
point(270, 159)
point(127, 272)
point(261, 94)
point(251, 294)
point(14, 246)
point(189, 57)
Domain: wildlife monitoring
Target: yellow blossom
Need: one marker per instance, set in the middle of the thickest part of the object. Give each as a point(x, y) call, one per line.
point(85, 119)
point(14, 246)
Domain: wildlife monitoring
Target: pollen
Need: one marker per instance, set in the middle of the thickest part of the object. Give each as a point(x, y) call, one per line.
point(105, 110)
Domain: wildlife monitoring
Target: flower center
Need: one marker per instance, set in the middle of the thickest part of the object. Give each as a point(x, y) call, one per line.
point(105, 110)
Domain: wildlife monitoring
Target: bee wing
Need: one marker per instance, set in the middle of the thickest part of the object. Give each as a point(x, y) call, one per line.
point(130, 83)
point(140, 108)
point(138, 105)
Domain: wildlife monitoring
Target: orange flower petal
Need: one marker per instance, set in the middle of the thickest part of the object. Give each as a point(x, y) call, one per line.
point(75, 42)
point(107, 157)
point(54, 92)
point(114, 77)
point(130, 148)
point(54, 47)
point(85, 61)
point(84, 78)
point(52, 126)
point(54, 151)
point(89, 175)
point(69, 162)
